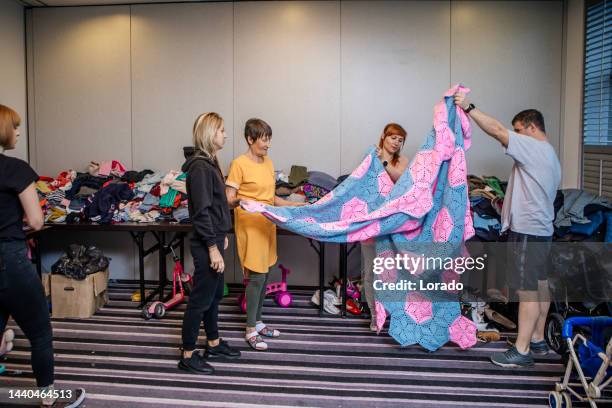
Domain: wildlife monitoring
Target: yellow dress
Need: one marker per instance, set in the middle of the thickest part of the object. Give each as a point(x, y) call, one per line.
point(255, 234)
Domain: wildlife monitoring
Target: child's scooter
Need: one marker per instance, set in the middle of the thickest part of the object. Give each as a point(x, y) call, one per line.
point(158, 309)
point(282, 298)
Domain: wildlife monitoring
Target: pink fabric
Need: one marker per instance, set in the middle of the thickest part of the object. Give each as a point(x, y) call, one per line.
point(354, 209)
point(367, 232)
point(381, 316)
point(449, 276)
point(443, 226)
point(457, 174)
point(418, 307)
point(385, 184)
point(463, 332)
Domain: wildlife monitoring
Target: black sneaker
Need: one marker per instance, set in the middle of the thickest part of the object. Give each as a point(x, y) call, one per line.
point(512, 359)
point(539, 348)
point(222, 350)
point(195, 364)
point(74, 399)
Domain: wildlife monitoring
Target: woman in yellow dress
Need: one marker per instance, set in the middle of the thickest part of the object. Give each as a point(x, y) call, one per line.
point(251, 177)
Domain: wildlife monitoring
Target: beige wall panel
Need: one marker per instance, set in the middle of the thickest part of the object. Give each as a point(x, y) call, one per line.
point(13, 69)
point(182, 59)
point(287, 72)
point(82, 86)
point(509, 54)
point(395, 67)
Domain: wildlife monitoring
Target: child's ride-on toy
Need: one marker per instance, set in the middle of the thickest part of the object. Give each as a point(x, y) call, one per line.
point(158, 309)
point(282, 296)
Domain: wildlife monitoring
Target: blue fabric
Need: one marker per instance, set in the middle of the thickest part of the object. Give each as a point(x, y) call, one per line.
point(608, 237)
point(486, 223)
point(588, 229)
point(412, 216)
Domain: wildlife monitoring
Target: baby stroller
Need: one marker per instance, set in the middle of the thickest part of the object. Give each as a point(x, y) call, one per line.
point(592, 360)
point(581, 285)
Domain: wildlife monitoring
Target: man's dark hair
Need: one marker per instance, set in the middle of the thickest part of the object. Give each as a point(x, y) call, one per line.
point(529, 116)
point(256, 128)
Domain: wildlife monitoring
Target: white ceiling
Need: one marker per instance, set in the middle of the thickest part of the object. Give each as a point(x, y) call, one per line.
point(54, 3)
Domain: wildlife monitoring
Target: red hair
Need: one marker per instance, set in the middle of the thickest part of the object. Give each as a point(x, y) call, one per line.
point(389, 130)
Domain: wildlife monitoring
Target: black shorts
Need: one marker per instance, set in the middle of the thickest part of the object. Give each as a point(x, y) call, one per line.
point(528, 260)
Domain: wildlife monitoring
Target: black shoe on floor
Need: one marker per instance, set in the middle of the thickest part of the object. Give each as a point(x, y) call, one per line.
point(222, 350)
point(196, 364)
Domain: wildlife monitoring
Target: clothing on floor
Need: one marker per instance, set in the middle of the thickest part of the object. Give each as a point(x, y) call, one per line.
point(15, 176)
point(22, 297)
point(255, 235)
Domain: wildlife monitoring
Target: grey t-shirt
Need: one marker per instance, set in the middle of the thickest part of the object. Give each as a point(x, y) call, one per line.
point(532, 187)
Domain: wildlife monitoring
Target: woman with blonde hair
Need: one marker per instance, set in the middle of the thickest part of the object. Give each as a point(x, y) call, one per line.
point(211, 221)
point(388, 151)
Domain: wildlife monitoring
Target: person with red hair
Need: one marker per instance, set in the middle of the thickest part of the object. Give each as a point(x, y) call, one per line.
point(388, 151)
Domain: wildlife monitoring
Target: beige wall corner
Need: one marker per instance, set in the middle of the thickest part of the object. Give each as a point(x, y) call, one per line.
point(12, 69)
point(572, 88)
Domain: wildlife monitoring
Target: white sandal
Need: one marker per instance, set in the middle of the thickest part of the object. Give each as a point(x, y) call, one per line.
point(6, 344)
point(256, 342)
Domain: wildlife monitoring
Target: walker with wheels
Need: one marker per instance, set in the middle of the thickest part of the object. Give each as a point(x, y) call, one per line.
point(591, 360)
point(282, 297)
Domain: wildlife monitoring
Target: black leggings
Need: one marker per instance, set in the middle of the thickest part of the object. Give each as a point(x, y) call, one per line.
point(22, 296)
point(205, 296)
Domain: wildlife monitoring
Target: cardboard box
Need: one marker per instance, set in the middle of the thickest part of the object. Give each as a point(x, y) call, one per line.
point(81, 299)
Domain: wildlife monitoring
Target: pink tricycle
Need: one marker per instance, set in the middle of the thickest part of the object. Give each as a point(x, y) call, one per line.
point(282, 298)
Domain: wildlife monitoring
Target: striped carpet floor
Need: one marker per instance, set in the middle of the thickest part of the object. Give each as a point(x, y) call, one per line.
point(125, 361)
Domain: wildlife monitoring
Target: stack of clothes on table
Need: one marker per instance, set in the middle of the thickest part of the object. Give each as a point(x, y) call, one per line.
point(108, 193)
point(486, 199)
point(581, 215)
point(302, 185)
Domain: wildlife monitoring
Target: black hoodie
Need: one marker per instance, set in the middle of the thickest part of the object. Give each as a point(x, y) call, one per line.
point(208, 209)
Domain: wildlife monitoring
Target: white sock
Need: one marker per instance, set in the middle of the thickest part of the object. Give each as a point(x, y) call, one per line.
point(260, 326)
point(248, 336)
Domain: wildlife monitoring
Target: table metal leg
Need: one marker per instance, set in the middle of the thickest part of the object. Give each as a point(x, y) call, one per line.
point(162, 264)
point(141, 261)
point(343, 276)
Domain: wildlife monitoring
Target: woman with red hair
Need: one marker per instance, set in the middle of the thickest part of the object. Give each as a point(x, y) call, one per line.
point(388, 151)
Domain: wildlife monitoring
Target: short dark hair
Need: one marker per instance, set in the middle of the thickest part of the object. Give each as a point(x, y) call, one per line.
point(256, 128)
point(529, 116)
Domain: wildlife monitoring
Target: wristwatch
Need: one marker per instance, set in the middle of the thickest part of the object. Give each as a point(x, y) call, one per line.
point(470, 107)
point(385, 163)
